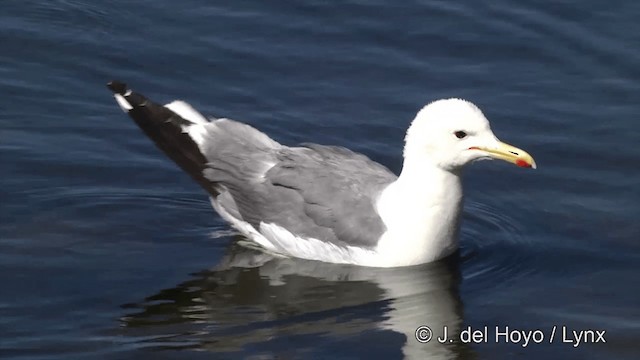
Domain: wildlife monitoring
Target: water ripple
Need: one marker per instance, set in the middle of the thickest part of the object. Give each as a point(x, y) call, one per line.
point(493, 247)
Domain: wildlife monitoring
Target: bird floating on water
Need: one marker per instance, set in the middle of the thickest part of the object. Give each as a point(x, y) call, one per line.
point(329, 203)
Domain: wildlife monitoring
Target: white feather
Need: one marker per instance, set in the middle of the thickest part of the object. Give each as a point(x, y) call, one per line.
point(284, 242)
point(123, 103)
point(187, 112)
point(197, 132)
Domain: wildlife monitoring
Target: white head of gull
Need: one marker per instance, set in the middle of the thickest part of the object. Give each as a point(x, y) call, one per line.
point(422, 208)
point(328, 203)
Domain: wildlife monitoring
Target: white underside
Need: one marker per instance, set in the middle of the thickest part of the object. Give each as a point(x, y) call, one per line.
point(426, 241)
point(278, 240)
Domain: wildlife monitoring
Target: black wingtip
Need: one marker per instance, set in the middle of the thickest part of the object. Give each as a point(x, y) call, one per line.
point(134, 99)
point(166, 129)
point(117, 87)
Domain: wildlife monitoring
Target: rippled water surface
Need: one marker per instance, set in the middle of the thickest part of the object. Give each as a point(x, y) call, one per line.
point(107, 250)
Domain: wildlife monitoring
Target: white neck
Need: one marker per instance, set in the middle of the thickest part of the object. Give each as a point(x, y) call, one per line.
point(421, 211)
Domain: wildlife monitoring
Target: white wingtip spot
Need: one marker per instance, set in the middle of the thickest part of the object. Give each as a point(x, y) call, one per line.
point(123, 103)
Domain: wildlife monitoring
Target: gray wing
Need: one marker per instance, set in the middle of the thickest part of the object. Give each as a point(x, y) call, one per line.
point(324, 192)
point(337, 189)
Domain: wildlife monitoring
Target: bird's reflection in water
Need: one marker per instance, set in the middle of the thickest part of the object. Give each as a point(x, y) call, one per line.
point(253, 300)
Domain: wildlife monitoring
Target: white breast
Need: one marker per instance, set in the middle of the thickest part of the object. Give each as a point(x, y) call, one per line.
point(422, 218)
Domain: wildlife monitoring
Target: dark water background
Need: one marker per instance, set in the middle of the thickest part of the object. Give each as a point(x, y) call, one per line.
point(107, 250)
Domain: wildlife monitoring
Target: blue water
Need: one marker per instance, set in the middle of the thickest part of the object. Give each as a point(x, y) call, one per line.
point(107, 250)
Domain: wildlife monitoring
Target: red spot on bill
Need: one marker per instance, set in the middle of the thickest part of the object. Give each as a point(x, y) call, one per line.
point(523, 163)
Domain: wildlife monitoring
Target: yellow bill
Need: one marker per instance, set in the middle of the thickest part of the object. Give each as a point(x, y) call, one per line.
point(509, 153)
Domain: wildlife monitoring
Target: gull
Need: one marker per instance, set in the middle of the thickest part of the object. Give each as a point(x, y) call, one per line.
point(328, 203)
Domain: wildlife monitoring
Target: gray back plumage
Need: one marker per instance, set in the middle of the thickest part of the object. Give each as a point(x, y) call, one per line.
point(324, 192)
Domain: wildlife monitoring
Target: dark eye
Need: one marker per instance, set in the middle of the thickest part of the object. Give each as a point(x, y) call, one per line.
point(460, 134)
